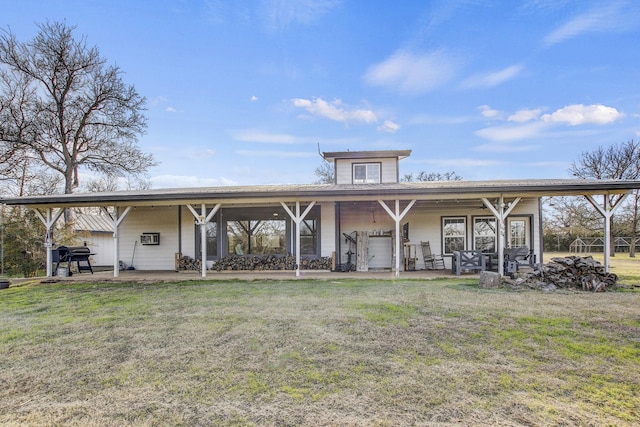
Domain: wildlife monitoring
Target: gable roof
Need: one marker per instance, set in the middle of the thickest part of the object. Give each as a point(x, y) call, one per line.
point(430, 190)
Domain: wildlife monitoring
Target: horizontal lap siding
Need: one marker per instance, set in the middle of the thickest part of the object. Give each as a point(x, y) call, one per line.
point(163, 220)
point(327, 229)
point(388, 169)
point(424, 224)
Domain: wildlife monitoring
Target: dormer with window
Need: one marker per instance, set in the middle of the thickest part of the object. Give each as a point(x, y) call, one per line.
point(366, 167)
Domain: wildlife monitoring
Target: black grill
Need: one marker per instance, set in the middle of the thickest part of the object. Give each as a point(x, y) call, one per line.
point(77, 254)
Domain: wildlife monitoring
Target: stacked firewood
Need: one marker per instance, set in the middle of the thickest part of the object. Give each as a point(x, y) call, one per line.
point(186, 263)
point(269, 262)
point(573, 272)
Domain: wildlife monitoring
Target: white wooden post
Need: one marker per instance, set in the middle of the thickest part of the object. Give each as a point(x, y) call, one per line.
point(202, 219)
point(501, 215)
point(397, 216)
point(116, 220)
point(297, 219)
point(606, 210)
point(49, 219)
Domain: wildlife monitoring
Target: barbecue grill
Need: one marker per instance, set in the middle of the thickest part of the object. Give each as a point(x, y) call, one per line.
point(69, 254)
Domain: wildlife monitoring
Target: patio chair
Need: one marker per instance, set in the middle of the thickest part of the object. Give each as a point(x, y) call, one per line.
point(431, 261)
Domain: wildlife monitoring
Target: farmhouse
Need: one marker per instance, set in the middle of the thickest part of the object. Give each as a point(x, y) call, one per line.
point(366, 220)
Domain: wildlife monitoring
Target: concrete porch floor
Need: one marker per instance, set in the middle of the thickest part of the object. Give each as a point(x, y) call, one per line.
point(173, 276)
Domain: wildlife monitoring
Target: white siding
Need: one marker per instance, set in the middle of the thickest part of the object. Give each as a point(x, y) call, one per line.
point(188, 233)
point(101, 244)
point(425, 224)
point(327, 229)
point(163, 220)
point(388, 169)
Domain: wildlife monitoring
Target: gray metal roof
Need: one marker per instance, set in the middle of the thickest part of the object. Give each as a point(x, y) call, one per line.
point(93, 223)
point(380, 154)
point(431, 190)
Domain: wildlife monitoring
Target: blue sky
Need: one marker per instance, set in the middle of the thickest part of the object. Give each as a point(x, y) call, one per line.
point(242, 92)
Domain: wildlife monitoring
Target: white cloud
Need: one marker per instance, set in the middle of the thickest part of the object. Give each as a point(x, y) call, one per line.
point(278, 14)
point(411, 73)
point(492, 79)
point(254, 98)
point(334, 111)
point(170, 110)
point(525, 115)
point(579, 114)
point(504, 148)
point(282, 154)
point(613, 16)
point(389, 127)
point(511, 132)
point(489, 112)
point(252, 135)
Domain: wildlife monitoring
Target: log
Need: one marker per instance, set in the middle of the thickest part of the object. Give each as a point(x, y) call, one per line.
point(573, 272)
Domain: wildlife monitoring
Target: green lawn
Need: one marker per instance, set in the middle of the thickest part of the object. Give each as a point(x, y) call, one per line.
point(335, 352)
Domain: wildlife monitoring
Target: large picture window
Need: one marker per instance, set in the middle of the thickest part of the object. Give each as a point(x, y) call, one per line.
point(454, 234)
point(366, 173)
point(257, 237)
point(484, 234)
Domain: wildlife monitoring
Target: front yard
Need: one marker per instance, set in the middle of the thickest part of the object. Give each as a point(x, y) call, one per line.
point(334, 352)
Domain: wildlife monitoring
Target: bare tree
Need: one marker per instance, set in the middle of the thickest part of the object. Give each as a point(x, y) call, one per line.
point(325, 173)
point(62, 106)
point(620, 161)
point(432, 176)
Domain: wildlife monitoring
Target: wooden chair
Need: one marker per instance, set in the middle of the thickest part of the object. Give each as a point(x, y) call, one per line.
point(431, 261)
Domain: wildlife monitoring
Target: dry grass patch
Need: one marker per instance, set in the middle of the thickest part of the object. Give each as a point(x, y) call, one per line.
point(304, 352)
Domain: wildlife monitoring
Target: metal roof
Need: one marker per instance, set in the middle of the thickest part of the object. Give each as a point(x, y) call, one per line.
point(380, 154)
point(430, 190)
point(93, 223)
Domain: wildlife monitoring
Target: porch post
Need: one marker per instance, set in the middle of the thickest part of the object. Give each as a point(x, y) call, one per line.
point(607, 212)
point(49, 219)
point(297, 219)
point(501, 216)
point(116, 220)
point(202, 219)
point(397, 216)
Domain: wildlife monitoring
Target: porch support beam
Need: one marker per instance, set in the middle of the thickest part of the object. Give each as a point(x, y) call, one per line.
point(297, 219)
point(606, 210)
point(397, 216)
point(49, 219)
point(501, 212)
point(116, 220)
point(202, 219)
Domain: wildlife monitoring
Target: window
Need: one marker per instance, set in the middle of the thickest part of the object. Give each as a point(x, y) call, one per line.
point(366, 173)
point(518, 232)
point(484, 234)
point(256, 237)
point(454, 234)
point(309, 236)
point(211, 238)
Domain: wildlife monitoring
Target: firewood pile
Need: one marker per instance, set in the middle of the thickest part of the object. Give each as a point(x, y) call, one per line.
point(186, 263)
point(270, 262)
point(572, 272)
